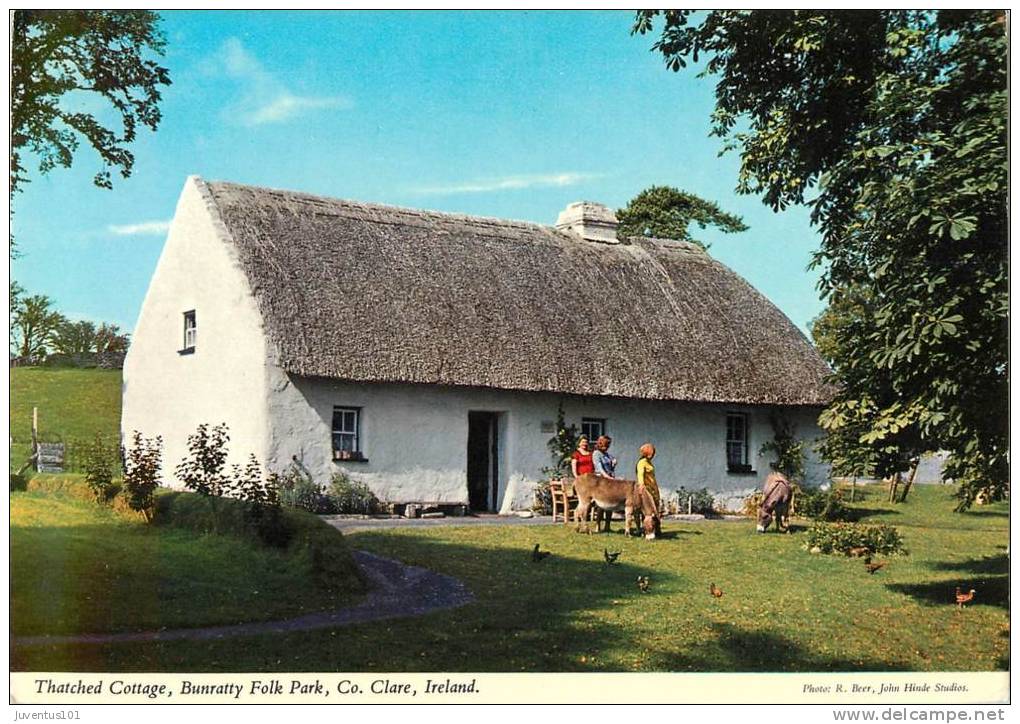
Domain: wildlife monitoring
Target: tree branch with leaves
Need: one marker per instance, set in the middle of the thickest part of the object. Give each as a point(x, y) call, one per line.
point(667, 213)
point(891, 126)
point(58, 55)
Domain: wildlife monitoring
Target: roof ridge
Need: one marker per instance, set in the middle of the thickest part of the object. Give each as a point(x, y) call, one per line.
point(353, 204)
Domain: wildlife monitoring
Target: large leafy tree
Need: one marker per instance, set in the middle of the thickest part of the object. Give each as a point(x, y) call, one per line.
point(34, 322)
point(891, 125)
point(56, 54)
point(667, 213)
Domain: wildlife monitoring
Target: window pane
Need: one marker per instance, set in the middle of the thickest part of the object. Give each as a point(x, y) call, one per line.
point(593, 427)
point(345, 429)
point(190, 331)
point(736, 440)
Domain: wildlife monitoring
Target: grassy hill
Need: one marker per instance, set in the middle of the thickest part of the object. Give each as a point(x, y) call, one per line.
point(74, 405)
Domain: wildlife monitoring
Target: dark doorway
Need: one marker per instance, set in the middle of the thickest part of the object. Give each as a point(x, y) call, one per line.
point(482, 465)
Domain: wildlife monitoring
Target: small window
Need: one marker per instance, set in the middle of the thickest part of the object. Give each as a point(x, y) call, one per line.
point(347, 433)
point(593, 428)
point(737, 443)
point(190, 331)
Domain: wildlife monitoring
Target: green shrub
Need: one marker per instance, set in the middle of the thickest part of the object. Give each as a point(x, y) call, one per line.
point(562, 445)
point(841, 537)
point(824, 505)
point(202, 471)
point(351, 496)
point(786, 446)
point(98, 466)
point(263, 501)
point(19, 481)
point(697, 501)
point(77, 452)
point(142, 463)
point(298, 490)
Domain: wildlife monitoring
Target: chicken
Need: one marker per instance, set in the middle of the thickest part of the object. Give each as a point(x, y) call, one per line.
point(872, 567)
point(537, 555)
point(859, 551)
point(644, 583)
point(715, 590)
point(962, 598)
point(610, 557)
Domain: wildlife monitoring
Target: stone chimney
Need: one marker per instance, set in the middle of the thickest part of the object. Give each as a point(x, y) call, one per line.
point(590, 221)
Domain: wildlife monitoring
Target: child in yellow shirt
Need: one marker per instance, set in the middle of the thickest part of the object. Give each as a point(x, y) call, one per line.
point(646, 479)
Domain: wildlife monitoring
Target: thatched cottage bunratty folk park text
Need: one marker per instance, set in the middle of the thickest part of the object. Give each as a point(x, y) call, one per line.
point(426, 354)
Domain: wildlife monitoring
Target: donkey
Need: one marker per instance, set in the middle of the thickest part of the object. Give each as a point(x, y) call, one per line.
point(610, 495)
point(775, 501)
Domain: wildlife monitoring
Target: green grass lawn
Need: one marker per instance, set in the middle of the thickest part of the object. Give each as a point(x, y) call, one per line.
point(783, 609)
point(78, 567)
point(74, 405)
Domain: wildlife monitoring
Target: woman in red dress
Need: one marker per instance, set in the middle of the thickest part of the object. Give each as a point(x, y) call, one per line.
point(580, 461)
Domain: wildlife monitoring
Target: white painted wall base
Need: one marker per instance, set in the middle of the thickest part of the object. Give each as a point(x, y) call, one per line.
point(415, 438)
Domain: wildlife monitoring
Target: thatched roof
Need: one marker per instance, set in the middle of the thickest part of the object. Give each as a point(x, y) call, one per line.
point(375, 293)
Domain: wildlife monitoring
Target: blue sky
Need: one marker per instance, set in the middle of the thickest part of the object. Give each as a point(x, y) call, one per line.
point(512, 115)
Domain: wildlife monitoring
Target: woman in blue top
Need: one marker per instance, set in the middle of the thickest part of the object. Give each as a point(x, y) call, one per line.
point(605, 464)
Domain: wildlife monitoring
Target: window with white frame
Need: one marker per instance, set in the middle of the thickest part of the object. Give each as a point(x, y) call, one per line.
point(347, 433)
point(593, 428)
point(190, 331)
point(737, 443)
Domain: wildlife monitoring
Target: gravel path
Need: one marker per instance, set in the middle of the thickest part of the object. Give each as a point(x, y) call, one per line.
point(397, 591)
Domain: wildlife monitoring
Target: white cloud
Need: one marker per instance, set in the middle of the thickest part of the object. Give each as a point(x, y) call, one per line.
point(145, 228)
point(550, 180)
point(263, 97)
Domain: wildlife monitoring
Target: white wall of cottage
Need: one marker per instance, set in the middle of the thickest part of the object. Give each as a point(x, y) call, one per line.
point(169, 394)
point(414, 438)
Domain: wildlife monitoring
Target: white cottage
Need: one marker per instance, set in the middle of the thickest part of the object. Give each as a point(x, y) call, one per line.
point(426, 354)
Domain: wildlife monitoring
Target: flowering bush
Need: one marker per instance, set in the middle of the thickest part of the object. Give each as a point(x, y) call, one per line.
point(822, 505)
point(700, 501)
point(841, 537)
point(350, 496)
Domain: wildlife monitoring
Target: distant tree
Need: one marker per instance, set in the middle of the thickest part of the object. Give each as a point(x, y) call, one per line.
point(15, 300)
point(74, 338)
point(59, 54)
point(16, 292)
point(108, 338)
point(34, 323)
point(892, 126)
point(667, 213)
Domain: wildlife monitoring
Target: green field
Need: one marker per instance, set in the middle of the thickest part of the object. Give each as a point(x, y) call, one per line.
point(783, 609)
point(73, 404)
